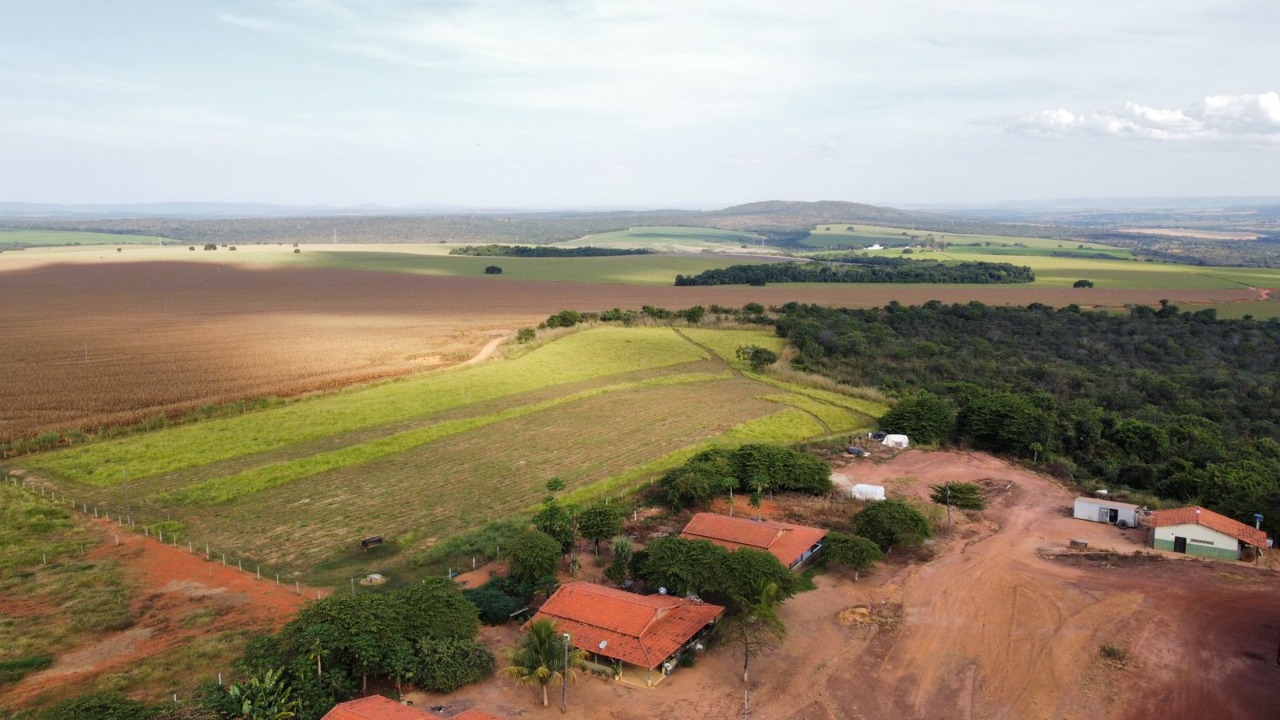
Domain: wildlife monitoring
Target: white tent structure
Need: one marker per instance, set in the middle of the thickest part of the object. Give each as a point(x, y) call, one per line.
point(869, 493)
point(896, 441)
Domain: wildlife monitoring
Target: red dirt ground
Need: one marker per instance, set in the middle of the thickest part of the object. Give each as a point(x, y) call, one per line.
point(170, 583)
point(1004, 623)
point(88, 344)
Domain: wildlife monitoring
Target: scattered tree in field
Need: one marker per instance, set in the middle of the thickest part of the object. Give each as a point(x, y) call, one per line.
point(533, 555)
point(525, 335)
point(892, 522)
point(268, 697)
point(756, 356)
point(296, 251)
point(1082, 284)
point(599, 522)
point(853, 551)
point(540, 658)
point(492, 270)
point(756, 627)
point(966, 496)
point(192, 248)
point(559, 521)
point(210, 246)
point(926, 418)
point(564, 318)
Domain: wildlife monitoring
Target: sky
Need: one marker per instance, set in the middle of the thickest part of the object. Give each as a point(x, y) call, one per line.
point(636, 104)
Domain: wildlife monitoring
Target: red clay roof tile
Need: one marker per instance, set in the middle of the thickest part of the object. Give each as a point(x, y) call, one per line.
point(1211, 520)
point(784, 541)
point(642, 630)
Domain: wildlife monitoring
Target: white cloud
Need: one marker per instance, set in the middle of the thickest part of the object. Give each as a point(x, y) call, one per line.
point(252, 23)
point(1225, 118)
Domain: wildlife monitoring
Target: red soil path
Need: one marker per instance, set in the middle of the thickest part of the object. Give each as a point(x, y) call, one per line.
point(169, 583)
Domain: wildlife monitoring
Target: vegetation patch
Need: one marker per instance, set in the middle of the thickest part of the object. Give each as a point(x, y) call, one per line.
point(864, 269)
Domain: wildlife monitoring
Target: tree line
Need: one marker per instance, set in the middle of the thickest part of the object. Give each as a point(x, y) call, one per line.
point(1176, 404)
point(864, 269)
point(544, 251)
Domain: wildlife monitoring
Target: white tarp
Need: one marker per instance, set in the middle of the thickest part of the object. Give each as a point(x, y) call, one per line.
point(895, 441)
point(868, 492)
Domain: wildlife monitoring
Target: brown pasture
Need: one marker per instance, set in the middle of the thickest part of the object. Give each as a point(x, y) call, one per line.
point(87, 344)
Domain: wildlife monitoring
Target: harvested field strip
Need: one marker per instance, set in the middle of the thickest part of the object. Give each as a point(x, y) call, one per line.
point(835, 418)
point(259, 479)
point(725, 343)
point(786, 426)
point(470, 479)
point(867, 408)
point(157, 484)
point(596, 353)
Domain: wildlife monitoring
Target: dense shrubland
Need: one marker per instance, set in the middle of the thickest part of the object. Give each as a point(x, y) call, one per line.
point(863, 269)
point(1181, 405)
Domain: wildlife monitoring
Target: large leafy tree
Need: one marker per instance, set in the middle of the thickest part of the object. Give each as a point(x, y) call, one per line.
point(892, 522)
point(925, 417)
point(599, 522)
point(533, 555)
point(540, 659)
point(714, 573)
point(853, 551)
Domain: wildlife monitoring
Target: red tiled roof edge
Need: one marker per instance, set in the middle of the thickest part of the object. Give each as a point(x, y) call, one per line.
point(1214, 521)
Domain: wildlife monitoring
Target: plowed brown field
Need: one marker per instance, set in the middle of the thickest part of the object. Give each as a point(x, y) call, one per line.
point(89, 344)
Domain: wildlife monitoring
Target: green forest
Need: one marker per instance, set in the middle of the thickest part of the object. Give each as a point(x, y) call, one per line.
point(1180, 405)
point(866, 269)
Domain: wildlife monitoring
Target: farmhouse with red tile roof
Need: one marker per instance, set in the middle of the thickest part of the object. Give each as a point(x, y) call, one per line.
point(793, 545)
point(377, 707)
point(1196, 531)
point(628, 635)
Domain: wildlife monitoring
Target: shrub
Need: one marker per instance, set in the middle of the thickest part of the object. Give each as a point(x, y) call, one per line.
point(892, 522)
point(492, 270)
point(210, 246)
point(1082, 284)
point(99, 706)
point(447, 664)
point(853, 551)
point(756, 356)
point(524, 335)
point(966, 496)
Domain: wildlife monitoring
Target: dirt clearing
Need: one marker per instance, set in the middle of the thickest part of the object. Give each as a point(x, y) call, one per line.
point(1003, 623)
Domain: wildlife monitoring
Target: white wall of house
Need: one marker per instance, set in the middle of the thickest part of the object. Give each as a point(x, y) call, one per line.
point(1086, 509)
point(1198, 535)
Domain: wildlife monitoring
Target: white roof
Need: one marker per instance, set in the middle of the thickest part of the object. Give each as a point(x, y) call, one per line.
point(1107, 503)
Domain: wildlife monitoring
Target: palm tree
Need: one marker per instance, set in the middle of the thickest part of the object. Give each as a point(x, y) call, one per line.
point(540, 659)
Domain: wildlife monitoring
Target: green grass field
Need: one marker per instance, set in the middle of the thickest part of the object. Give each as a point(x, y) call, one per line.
point(670, 239)
point(857, 236)
point(49, 238)
point(424, 459)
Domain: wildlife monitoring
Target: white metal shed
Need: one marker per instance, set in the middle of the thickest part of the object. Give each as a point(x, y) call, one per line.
point(1106, 511)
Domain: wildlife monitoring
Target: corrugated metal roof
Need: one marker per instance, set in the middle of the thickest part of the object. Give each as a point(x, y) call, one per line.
point(1107, 503)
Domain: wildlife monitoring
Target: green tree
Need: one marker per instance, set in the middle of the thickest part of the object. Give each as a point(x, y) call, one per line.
point(526, 335)
point(599, 522)
point(268, 697)
point(684, 566)
point(703, 478)
point(926, 418)
point(756, 627)
point(539, 660)
point(853, 551)
point(533, 555)
point(892, 522)
point(492, 270)
point(1082, 284)
point(619, 570)
point(756, 356)
point(559, 521)
point(444, 665)
point(966, 496)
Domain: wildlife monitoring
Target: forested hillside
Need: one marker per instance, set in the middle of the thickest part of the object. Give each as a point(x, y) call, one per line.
point(1178, 404)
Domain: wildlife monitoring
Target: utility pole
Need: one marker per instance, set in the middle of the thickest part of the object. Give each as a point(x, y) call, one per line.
point(948, 508)
point(564, 677)
point(124, 475)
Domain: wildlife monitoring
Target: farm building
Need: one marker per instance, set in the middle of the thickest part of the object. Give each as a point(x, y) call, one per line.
point(1106, 511)
point(793, 545)
point(377, 707)
point(896, 441)
point(636, 638)
point(1196, 531)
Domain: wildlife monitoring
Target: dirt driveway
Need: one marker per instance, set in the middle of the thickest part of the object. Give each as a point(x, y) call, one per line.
point(1003, 623)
